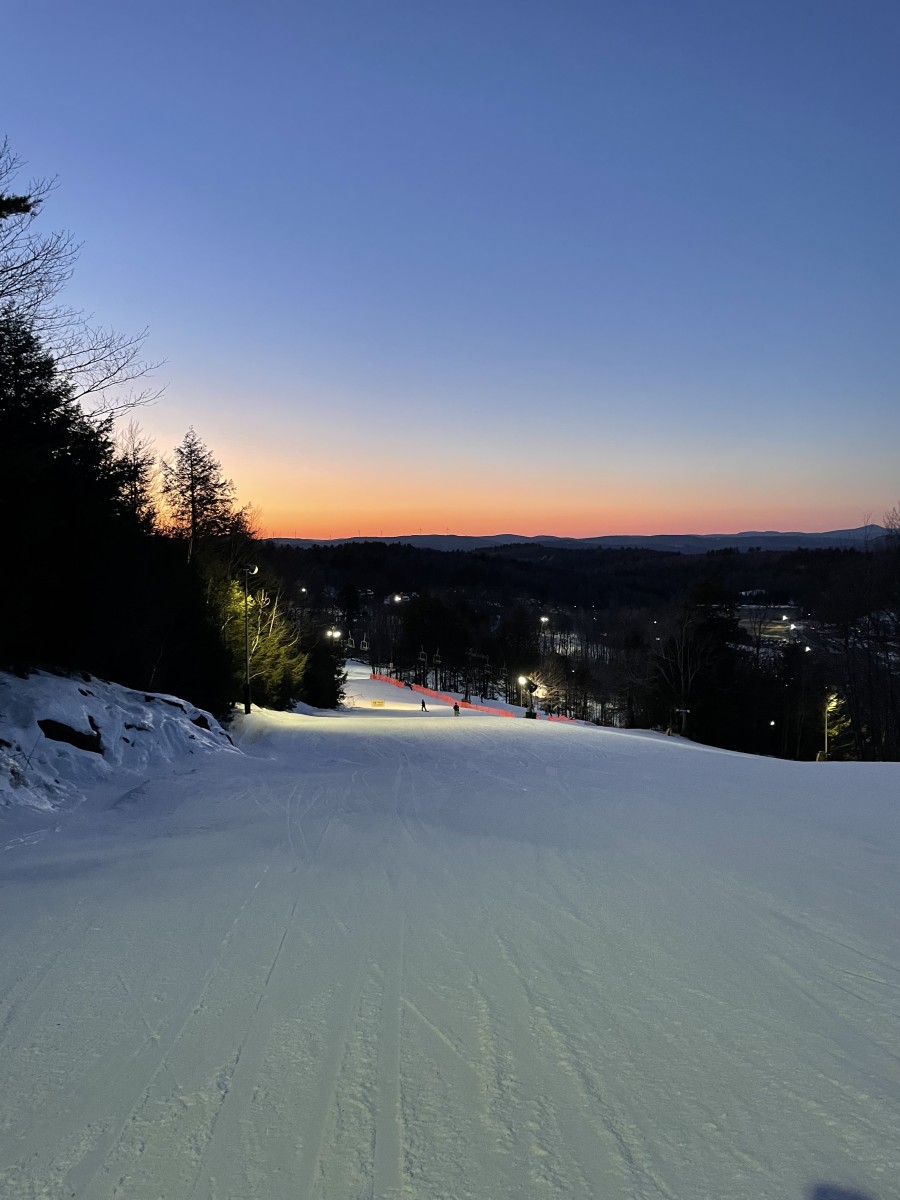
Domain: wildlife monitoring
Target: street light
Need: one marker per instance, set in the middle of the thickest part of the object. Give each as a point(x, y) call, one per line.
point(247, 572)
point(525, 682)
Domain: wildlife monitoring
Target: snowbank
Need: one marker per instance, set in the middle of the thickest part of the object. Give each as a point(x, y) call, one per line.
point(60, 735)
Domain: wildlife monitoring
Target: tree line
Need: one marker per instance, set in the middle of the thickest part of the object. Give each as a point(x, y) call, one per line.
point(786, 653)
point(117, 562)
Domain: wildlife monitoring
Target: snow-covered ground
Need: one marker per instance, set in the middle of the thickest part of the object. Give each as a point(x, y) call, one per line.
point(46, 720)
point(396, 954)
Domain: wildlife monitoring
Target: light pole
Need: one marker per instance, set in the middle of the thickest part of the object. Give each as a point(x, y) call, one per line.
point(830, 701)
point(248, 571)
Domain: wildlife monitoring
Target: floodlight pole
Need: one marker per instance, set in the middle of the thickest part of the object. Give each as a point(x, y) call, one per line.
point(248, 571)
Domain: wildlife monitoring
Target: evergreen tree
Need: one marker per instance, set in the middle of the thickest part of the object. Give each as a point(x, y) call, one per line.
point(200, 500)
point(60, 486)
point(85, 588)
point(324, 675)
point(137, 463)
point(14, 206)
point(201, 514)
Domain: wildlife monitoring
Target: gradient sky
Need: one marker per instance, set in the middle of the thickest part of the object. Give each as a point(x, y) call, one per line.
point(537, 266)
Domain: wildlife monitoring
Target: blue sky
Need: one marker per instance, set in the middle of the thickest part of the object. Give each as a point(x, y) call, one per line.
point(577, 268)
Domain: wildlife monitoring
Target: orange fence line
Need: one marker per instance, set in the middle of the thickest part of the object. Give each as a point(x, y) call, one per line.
point(497, 712)
point(388, 679)
point(417, 687)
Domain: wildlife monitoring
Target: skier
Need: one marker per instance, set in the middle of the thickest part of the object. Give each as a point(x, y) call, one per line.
point(424, 709)
point(455, 709)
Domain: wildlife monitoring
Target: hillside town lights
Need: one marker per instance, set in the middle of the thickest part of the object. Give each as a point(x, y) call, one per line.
point(248, 571)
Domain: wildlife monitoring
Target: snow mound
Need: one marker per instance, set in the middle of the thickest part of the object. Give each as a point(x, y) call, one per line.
point(60, 735)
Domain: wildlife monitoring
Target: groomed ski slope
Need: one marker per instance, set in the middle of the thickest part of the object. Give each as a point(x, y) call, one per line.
point(393, 954)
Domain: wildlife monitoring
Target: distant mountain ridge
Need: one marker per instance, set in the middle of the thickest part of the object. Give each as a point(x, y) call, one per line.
point(673, 543)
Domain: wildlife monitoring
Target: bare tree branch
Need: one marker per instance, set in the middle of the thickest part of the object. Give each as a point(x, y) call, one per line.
point(34, 269)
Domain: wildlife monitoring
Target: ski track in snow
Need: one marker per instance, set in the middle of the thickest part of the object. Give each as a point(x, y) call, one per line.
point(441, 959)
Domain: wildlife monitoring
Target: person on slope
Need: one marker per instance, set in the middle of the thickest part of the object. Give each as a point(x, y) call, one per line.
point(455, 709)
point(424, 709)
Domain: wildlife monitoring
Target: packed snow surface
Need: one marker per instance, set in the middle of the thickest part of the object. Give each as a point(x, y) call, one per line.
point(398, 954)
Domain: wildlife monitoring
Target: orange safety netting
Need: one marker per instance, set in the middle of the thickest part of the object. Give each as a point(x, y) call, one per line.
point(447, 699)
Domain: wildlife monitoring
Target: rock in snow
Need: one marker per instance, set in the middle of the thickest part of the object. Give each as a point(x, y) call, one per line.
point(62, 734)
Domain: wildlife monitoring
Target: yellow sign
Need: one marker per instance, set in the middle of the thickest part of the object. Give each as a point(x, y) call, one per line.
point(378, 704)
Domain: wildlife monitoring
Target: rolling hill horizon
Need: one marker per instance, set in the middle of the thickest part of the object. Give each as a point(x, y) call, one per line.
point(686, 543)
